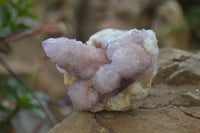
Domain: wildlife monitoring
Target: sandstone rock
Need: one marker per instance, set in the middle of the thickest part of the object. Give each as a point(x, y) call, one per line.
point(157, 114)
point(167, 119)
point(192, 111)
point(170, 25)
point(186, 99)
point(177, 67)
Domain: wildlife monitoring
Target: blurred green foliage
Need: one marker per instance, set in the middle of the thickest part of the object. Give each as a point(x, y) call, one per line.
point(192, 16)
point(18, 97)
point(14, 15)
point(191, 12)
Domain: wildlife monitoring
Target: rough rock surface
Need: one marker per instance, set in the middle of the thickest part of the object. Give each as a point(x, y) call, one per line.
point(169, 24)
point(168, 108)
point(177, 67)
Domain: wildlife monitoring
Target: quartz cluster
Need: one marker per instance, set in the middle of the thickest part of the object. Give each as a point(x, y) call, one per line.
point(113, 71)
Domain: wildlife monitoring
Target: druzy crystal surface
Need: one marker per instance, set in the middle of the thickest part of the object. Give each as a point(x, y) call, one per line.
point(112, 71)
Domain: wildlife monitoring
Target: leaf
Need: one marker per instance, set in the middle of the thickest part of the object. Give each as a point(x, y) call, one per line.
point(12, 14)
point(2, 108)
point(8, 92)
point(13, 90)
point(37, 112)
point(30, 15)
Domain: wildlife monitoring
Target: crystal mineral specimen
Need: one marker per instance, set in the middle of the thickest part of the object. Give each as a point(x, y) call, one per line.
point(113, 71)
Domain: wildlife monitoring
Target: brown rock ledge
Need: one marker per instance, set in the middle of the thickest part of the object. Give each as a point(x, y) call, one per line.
point(165, 120)
point(157, 114)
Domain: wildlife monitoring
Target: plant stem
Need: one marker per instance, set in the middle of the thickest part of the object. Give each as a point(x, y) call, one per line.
point(42, 103)
point(51, 27)
point(39, 126)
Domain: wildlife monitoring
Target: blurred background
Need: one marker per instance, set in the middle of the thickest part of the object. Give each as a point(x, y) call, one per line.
point(28, 79)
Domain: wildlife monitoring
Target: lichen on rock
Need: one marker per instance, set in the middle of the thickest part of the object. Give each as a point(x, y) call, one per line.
point(113, 71)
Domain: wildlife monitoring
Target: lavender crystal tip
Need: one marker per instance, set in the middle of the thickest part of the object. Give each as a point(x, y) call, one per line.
point(113, 71)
